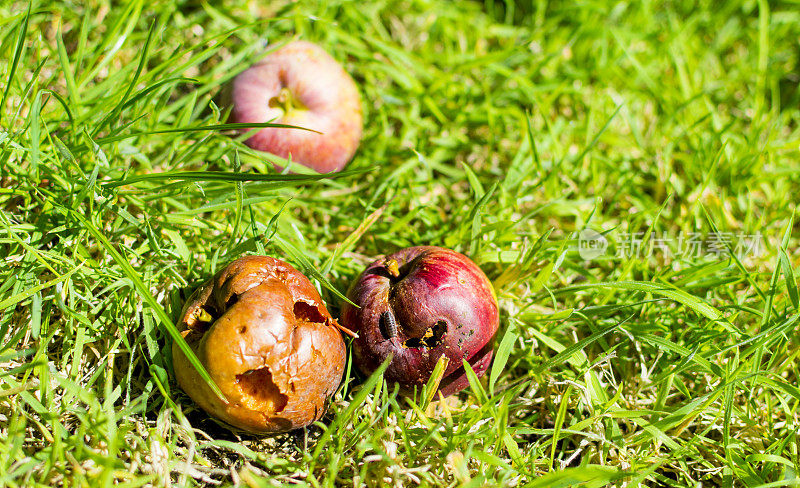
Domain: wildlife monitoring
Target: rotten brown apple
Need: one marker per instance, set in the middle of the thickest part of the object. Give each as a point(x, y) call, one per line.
point(417, 305)
point(264, 335)
point(300, 84)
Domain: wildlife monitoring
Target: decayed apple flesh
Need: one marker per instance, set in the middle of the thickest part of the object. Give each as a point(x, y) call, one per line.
point(419, 304)
point(263, 333)
point(301, 85)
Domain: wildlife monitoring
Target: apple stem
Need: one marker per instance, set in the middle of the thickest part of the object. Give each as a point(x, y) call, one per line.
point(345, 329)
point(284, 100)
point(393, 268)
point(204, 316)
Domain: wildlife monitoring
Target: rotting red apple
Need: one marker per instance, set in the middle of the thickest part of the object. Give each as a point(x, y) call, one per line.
point(418, 304)
point(300, 84)
point(264, 335)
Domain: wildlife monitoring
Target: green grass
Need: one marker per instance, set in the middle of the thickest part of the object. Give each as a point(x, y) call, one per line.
point(500, 129)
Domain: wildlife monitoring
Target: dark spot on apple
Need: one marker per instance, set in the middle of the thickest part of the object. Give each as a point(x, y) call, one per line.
point(281, 275)
point(432, 338)
point(392, 292)
point(394, 270)
point(308, 313)
point(242, 330)
point(384, 272)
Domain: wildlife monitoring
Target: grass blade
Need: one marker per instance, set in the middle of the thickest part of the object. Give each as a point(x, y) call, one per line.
point(23, 32)
point(148, 298)
point(226, 176)
point(501, 356)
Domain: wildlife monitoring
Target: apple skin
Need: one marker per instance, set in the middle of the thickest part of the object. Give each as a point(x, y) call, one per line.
point(302, 85)
point(430, 291)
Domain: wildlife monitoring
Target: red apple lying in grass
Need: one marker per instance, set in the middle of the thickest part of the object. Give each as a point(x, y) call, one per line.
point(264, 335)
point(419, 304)
point(301, 85)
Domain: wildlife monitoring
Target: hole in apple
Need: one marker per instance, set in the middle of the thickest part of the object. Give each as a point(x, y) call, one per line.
point(231, 301)
point(260, 392)
point(432, 337)
point(305, 312)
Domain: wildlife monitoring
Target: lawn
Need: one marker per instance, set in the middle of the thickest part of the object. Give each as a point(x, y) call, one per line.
point(626, 175)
